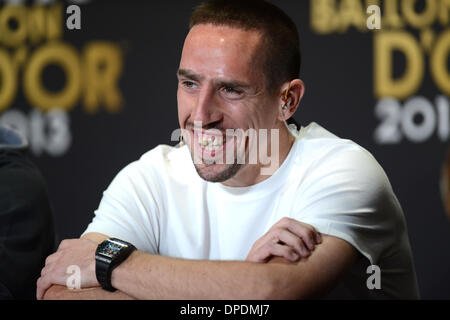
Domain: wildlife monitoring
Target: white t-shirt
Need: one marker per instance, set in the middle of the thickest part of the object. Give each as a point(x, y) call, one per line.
point(161, 205)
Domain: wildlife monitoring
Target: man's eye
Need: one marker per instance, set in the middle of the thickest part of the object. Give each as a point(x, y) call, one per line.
point(188, 84)
point(230, 90)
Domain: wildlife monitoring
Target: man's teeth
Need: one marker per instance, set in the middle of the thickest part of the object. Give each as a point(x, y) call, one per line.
point(210, 143)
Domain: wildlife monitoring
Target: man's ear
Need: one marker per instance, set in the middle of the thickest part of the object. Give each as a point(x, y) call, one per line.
point(291, 94)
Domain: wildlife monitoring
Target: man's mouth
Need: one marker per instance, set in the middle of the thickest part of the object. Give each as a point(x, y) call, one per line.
point(218, 146)
point(209, 145)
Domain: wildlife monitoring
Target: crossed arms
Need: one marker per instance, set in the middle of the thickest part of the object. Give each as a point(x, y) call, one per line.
point(286, 263)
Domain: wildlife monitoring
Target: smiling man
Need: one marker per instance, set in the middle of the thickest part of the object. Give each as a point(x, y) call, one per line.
point(205, 220)
point(222, 87)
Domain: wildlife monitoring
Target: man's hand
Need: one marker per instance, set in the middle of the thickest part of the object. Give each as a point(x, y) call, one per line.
point(79, 252)
point(288, 238)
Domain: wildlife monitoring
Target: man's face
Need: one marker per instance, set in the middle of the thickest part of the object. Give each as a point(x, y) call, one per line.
point(221, 88)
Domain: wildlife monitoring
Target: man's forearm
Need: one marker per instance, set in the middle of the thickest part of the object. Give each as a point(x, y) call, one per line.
point(57, 292)
point(156, 277)
point(146, 276)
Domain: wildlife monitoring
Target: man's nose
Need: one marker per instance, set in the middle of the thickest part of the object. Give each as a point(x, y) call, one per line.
point(206, 109)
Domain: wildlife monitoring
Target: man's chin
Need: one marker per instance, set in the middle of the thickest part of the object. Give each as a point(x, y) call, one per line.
point(217, 172)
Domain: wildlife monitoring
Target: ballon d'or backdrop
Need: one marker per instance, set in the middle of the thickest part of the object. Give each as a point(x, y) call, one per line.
point(93, 94)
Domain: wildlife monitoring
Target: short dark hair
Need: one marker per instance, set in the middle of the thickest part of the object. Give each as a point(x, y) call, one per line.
point(280, 45)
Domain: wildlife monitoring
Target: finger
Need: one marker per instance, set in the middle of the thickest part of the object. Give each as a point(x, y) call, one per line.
point(318, 238)
point(41, 287)
point(51, 258)
point(268, 237)
point(259, 254)
point(317, 235)
point(38, 294)
point(44, 271)
point(295, 242)
point(279, 250)
point(305, 231)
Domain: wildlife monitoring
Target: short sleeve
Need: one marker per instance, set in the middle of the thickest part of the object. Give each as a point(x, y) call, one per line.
point(349, 196)
point(128, 210)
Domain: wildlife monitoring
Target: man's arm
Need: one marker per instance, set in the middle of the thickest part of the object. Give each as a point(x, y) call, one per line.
point(147, 276)
point(58, 292)
point(287, 238)
point(155, 277)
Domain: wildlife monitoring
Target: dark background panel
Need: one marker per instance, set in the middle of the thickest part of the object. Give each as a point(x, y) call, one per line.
point(338, 72)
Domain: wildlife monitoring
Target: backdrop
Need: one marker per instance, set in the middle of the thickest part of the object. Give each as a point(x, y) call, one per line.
point(95, 93)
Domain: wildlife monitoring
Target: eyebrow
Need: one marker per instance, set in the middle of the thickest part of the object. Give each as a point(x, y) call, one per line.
point(186, 73)
point(232, 84)
point(189, 74)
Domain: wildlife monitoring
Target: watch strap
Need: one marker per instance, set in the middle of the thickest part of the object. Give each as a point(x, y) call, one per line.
point(103, 272)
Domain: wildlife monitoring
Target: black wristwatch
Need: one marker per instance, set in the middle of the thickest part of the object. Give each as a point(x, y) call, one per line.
point(109, 254)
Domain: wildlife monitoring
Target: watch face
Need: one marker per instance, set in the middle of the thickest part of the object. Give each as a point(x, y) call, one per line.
point(111, 248)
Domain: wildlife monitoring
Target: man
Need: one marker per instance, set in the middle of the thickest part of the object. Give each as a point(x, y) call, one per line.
point(27, 236)
point(195, 216)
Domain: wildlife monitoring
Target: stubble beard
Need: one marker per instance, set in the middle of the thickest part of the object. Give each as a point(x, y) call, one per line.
point(207, 172)
point(211, 171)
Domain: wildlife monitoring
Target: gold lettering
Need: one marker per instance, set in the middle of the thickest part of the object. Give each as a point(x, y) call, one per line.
point(427, 39)
point(64, 56)
point(384, 45)
point(102, 69)
point(444, 10)
point(13, 36)
point(19, 56)
point(54, 21)
point(36, 23)
point(372, 2)
point(352, 14)
point(423, 19)
point(323, 16)
point(8, 83)
point(438, 62)
point(391, 17)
